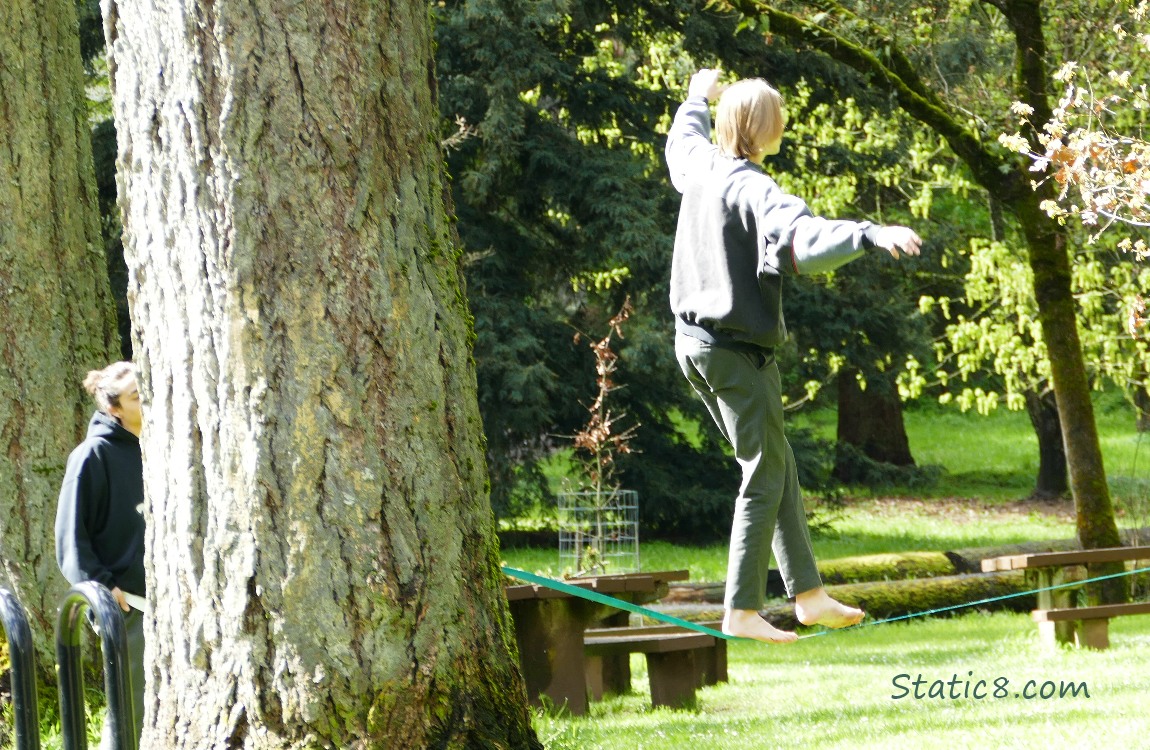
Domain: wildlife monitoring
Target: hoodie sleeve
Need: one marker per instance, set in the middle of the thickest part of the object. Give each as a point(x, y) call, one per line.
point(794, 241)
point(83, 499)
point(689, 152)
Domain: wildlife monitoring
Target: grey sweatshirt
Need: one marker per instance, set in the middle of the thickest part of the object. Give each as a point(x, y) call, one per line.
point(738, 234)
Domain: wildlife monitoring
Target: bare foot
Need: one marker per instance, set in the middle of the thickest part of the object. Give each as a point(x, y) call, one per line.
point(747, 623)
point(815, 607)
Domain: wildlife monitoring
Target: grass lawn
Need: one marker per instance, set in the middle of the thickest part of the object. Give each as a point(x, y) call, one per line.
point(995, 457)
point(836, 691)
point(869, 526)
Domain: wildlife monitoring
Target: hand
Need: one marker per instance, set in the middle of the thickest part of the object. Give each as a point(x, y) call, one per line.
point(119, 597)
point(894, 239)
point(706, 83)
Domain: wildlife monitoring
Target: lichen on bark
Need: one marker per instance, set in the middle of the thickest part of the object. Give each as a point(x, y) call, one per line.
point(322, 507)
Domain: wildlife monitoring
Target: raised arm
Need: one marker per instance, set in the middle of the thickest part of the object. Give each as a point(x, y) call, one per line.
point(689, 150)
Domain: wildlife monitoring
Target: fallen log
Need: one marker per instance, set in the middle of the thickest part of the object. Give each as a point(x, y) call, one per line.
point(887, 567)
point(885, 599)
point(899, 566)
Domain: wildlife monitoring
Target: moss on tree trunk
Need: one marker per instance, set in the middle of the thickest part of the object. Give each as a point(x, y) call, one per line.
point(321, 551)
point(894, 566)
point(56, 315)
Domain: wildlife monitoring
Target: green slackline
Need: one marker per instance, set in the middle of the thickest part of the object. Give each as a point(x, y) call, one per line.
point(611, 601)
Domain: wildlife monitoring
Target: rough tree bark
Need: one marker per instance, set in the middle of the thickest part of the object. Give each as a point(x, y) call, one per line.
point(321, 552)
point(57, 320)
point(1052, 480)
point(870, 421)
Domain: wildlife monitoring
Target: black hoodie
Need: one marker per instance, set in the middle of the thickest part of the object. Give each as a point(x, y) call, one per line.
point(100, 518)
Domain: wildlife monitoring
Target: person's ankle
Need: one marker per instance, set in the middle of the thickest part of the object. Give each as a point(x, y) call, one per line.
point(816, 607)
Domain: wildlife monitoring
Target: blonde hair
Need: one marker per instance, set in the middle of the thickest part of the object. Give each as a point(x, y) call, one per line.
point(107, 385)
point(749, 116)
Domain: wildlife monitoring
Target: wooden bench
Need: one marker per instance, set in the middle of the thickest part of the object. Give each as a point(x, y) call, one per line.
point(679, 661)
point(1059, 619)
point(549, 627)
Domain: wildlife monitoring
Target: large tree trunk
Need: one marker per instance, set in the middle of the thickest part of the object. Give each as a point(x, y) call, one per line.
point(1142, 406)
point(56, 315)
point(1052, 480)
point(871, 421)
point(322, 561)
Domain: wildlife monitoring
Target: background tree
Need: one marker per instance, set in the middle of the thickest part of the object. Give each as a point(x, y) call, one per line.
point(1094, 150)
point(321, 549)
point(565, 209)
point(857, 328)
point(57, 320)
point(1092, 145)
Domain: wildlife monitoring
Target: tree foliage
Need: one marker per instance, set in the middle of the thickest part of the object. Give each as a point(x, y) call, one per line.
point(1092, 146)
point(564, 210)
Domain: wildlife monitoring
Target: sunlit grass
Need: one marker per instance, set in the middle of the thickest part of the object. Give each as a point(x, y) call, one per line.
point(995, 457)
point(867, 527)
point(836, 691)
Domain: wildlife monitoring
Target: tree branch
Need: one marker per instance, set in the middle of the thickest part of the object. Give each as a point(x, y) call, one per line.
point(1025, 19)
point(992, 171)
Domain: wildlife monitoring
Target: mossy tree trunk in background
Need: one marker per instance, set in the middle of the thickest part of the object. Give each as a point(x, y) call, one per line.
point(871, 421)
point(1049, 253)
point(1052, 480)
point(322, 558)
point(57, 320)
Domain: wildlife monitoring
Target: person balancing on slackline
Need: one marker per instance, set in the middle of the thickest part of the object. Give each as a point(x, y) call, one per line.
point(738, 235)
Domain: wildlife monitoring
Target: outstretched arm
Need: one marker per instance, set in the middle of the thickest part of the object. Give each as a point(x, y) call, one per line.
point(796, 241)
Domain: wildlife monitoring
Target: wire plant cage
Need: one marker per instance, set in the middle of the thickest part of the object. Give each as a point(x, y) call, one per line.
point(599, 532)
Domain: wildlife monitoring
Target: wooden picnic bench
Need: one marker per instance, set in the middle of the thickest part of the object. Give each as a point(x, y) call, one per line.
point(1059, 619)
point(678, 661)
point(549, 628)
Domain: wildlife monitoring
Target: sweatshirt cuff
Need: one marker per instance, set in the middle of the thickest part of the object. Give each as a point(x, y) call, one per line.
point(870, 236)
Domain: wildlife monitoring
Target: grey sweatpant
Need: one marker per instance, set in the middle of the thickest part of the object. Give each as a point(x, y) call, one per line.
point(744, 396)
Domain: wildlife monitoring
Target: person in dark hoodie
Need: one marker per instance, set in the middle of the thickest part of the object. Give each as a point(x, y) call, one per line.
point(100, 516)
point(738, 235)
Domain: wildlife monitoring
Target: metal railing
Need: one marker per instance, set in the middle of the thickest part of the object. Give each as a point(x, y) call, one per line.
point(22, 655)
point(119, 720)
